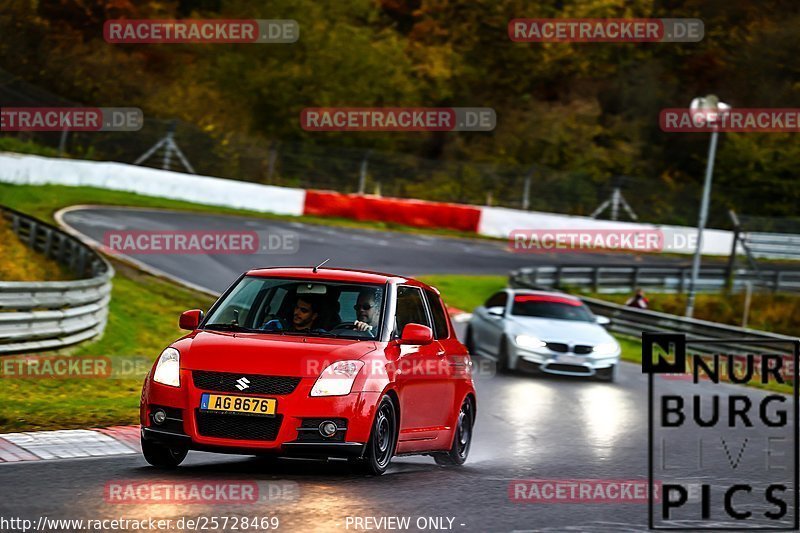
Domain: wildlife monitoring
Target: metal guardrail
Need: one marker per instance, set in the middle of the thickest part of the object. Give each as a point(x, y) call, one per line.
point(632, 321)
point(45, 315)
point(772, 245)
point(668, 279)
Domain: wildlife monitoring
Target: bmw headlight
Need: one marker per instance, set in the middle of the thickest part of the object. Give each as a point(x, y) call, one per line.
point(531, 343)
point(168, 368)
point(606, 348)
point(337, 379)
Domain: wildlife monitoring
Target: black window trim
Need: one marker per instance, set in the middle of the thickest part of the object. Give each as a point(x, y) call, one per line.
point(429, 306)
point(398, 334)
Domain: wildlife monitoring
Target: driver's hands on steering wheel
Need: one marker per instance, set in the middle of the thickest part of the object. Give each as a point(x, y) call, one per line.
point(361, 326)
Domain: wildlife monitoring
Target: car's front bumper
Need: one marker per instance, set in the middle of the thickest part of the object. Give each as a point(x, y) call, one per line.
point(286, 433)
point(564, 364)
point(297, 449)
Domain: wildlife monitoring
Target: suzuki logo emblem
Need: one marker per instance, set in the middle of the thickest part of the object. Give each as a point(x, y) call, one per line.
point(242, 383)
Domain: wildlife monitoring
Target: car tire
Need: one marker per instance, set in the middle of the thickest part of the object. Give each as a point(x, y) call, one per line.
point(608, 375)
point(469, 342)
point(502, 358)
point(462, 437)
point(162, 456)
point(382, 440)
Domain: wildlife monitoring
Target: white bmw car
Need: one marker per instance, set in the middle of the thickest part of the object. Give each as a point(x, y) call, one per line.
point(546, 331)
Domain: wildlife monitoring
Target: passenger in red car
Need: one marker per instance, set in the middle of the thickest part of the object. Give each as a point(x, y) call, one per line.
point(367, 311)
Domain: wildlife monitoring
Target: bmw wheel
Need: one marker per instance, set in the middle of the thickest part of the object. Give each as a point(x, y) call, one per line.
point(469, 342)
point(503, 358)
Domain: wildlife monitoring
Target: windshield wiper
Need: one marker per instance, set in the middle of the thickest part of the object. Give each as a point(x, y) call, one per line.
point(229, 327)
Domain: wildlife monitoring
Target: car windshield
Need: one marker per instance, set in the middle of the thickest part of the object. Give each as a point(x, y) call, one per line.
point(300, 307)
point(550, 307)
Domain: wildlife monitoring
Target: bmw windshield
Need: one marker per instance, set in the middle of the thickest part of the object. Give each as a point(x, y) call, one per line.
point(555, 308)
point(300, 307)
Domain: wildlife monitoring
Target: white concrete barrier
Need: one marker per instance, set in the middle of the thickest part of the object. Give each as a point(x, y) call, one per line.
point(34, 170)
point(494, 221)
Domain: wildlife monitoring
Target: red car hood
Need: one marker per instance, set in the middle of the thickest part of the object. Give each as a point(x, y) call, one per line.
point(267, 354)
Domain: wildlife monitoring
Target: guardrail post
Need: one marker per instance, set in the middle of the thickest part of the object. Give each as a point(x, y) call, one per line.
point(32, 235)
point(48, 242)
point(62, 248)
point(777, 284)
point(81, 261)
point(557, 281)
point(682, 284)
point(635, 279)
point(596, 279)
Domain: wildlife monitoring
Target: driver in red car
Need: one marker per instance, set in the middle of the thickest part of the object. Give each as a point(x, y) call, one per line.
point(305, 316)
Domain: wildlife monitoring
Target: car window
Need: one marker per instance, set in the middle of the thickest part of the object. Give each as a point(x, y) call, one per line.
point(240, 302)
point(441, 331)
point(410, 308)
point(551, 308)
point(497, 300)
point(271, 305)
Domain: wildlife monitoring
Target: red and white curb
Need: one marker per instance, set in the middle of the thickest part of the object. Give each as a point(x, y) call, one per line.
point(69, 444)
point(458, 315)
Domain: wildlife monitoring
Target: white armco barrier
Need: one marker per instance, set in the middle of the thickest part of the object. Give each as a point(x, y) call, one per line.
point(500, 222)
point(35, 170)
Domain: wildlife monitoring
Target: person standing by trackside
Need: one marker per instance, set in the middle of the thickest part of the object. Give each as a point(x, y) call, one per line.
point(638, 300)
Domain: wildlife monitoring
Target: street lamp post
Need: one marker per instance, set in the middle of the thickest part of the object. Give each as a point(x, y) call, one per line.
point(712, 108)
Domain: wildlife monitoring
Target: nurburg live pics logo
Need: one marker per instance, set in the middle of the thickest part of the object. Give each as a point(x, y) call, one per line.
point(725, 455)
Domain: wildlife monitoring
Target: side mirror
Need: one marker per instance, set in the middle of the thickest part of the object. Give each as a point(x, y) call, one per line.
point(496, 311)
point(602, 320)
point(416, 334)
point(190, 319)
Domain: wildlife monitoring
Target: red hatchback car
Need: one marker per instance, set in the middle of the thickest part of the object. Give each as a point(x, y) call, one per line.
point(314, 363)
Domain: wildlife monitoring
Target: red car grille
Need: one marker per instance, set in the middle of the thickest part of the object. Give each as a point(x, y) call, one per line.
point(227, 382)
point(227, 426)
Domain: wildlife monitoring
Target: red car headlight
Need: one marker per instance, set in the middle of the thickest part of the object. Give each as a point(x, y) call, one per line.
point(337, 379)
point(168, 368)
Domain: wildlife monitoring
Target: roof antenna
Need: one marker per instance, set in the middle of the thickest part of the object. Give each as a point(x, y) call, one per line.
point(319, 265)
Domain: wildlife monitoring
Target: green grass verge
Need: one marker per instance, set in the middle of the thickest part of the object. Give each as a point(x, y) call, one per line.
point(143, 320)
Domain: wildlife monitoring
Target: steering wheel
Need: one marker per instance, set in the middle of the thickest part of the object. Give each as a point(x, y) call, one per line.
point(270, 317)
point(345, 325)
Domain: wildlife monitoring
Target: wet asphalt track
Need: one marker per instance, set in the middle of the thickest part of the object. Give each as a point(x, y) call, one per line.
point(527, 427)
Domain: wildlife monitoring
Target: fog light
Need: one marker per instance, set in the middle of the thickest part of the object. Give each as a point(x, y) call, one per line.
point(159, 416)
point(328, 429)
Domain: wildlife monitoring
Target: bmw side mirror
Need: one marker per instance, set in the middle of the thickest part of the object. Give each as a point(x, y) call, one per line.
point(190, 319)
point(416, 334)
point(496, 311)
point(602, 320)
